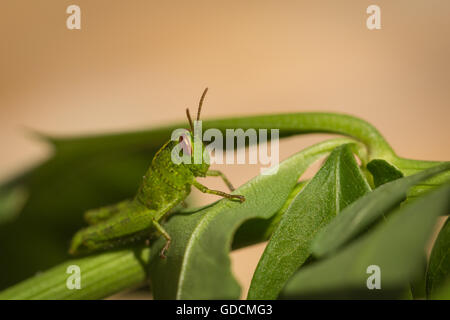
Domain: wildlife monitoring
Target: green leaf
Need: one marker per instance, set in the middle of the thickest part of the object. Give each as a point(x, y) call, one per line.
point(439, 266)
point(383, 172)
point(418, 285)
point(337, 184)
point(362, 213)
point(443, 293)
point(409, 167)
point(197, 264)
point(396, 246)
point(259, 230)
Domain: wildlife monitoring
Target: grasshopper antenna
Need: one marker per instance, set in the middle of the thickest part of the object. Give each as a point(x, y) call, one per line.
point(188, 114)
point(201, 103)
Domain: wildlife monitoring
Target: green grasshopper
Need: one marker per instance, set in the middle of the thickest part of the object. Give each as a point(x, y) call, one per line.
point(164, 186)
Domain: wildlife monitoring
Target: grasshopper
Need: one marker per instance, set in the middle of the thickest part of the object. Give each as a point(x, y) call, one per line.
point(164, 186)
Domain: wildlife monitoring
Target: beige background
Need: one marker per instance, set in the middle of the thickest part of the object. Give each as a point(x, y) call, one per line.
point(137, 64)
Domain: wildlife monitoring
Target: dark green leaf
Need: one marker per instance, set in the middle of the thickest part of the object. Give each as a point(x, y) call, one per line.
point(443, 293)
point(396, 246)
point(259, 230)
point(383, 172)
point(418, 285)
point(362, 213)
point(338, 183)
point(439, 266)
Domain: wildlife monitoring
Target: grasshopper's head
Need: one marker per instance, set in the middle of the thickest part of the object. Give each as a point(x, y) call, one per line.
point(194, 146)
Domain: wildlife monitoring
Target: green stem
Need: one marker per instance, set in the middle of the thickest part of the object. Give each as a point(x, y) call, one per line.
point(314, 122)
point(101, 275)
point(320, 122)
point(288, 123)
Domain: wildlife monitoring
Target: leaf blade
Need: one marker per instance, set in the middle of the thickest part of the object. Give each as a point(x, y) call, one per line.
point(395, 245)
point(439, 265)
point(338, 183)
point(383, 172)
point(359, 215)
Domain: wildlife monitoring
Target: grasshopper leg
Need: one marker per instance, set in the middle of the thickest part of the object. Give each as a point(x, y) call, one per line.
point(217, 173)
point(165, 235)
point(205, 189)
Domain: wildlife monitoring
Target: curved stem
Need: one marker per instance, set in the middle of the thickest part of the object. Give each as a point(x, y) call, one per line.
point(288, 123)
point(310, 122)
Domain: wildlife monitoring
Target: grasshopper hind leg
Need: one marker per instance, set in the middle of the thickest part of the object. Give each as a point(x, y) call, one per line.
point(81, 245)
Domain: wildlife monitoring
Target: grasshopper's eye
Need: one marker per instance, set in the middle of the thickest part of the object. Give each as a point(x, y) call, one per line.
point(186, 145)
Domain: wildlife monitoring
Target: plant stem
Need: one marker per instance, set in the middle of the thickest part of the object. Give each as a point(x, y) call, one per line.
point(102, 275)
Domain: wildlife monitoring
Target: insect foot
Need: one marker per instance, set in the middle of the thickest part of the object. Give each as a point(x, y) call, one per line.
point(238, 197)
point(162, 254)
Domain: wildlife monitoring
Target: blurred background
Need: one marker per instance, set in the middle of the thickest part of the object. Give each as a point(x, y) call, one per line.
point(138, 64)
